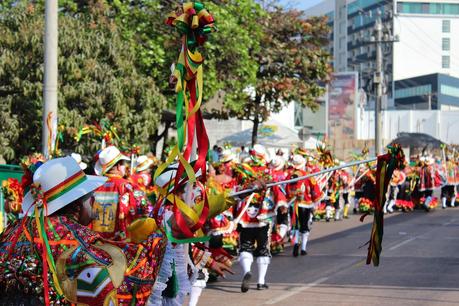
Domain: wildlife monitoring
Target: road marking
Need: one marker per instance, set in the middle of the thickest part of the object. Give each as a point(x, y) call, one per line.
point(401, 243)
point(450, 222)
point(295, 290)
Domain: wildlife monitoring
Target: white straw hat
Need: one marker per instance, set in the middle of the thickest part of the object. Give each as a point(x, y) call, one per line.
point(61, 182)
point(78, 159)
point(107, 159)
point(298, 161)
point(168, 175)
point(278, 163)
point(227, 156)
point(143, 163)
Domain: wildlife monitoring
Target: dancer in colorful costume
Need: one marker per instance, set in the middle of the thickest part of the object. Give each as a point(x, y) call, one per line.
point(51, 257)
point(281, 224)
point(448, 190)
point(255, 227)
point(114, 205)
point(429, 180)
point(174, 281)
point(304, 194)
point(397, 180)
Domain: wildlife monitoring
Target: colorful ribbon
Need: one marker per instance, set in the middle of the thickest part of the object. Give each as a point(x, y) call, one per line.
point(386, 165)
point(194, 23)
point(104, 130)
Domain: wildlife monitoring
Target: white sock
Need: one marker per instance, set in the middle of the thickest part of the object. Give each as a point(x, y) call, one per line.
point(328, 210)
point(453, 201)
point(390, 208)
point(443, 202)
point(194, 295)
point(245, 260)
point(337, 213)
point(262, 264)
point(283, 230)
point(385, 206)
point(304, 240)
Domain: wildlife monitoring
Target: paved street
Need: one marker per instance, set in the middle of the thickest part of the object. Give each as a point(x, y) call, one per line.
point(419, 266)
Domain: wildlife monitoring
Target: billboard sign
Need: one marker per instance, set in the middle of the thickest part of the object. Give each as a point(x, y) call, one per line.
point(342, 101)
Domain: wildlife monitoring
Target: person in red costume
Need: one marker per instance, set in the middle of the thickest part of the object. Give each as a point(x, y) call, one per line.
point(115, 204)
point(304, 194)
point(51, 257)
point(254, 226)
point(280, 230)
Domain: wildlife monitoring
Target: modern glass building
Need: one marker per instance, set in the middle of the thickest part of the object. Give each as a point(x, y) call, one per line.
point(428, 40)
point(434, 91)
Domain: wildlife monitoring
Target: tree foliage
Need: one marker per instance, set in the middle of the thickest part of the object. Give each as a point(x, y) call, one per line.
point(97, 78)
point(293, 65)
point(115, 57)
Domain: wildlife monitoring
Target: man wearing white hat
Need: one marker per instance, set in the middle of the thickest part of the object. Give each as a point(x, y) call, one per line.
point(142, 172)
point(51, 257)
point(115, 204)
point(304, 194)
point(255, 226)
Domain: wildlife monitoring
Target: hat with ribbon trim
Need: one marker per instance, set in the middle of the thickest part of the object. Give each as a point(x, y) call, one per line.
point(227, 156)
point(57, 183)
point(143, 163)
point(298, 162)
point(277, 163)
point(108, 157)
point(167, 177)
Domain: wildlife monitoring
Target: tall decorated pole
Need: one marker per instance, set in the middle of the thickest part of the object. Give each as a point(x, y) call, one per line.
point(194, 23)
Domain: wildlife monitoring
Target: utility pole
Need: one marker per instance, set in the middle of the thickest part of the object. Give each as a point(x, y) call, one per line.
point(381, 36)
point(378, 79)
point(49, 125)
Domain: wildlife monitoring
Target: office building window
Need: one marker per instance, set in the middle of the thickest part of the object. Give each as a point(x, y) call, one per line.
point(422, 7)
point(446, 26)
point(445, 44)
point(445, 61)
point(449, 90)
point(413, 91)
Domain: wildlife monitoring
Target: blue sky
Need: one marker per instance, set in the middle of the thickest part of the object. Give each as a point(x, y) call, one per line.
point(300, 4)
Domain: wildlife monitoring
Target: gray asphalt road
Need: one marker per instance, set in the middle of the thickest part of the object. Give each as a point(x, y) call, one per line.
point(419, 266)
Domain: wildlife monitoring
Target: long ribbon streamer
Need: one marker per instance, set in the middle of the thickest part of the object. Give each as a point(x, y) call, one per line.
point(386, 165)
point(194, 23)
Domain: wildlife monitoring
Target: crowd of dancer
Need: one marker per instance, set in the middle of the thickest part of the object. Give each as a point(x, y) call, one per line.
point(116, 237)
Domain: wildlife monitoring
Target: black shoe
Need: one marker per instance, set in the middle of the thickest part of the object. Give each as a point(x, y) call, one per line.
point(328, 220)
point(296, 248)
point(354, 211)
point(303, 253)
point(262, 286)
point(246, 282)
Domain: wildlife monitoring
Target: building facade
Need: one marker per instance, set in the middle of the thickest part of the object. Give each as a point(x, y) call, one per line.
point(433, 91)
point(427, 33)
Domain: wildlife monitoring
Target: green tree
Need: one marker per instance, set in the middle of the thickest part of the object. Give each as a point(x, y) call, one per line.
point(293, 65)
point(229, 66)
point(97, 78)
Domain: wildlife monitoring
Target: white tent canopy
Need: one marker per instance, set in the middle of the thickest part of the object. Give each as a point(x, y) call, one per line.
point(270, 134)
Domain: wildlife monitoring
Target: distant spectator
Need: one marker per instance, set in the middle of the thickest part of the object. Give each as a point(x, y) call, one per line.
point(214, 154)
